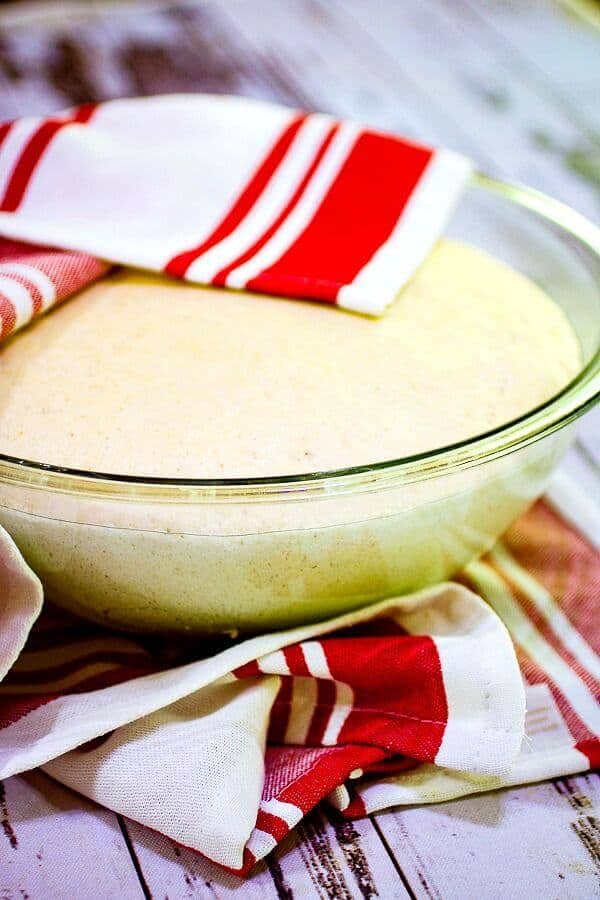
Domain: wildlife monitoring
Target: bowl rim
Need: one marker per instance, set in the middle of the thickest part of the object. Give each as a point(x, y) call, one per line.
point(576, 398)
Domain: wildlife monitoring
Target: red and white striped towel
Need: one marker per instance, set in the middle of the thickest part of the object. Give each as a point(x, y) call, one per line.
point(33, 279)
point(415, 699)
point(232, 192)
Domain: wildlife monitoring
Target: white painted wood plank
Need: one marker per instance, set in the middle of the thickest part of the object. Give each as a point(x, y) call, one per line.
point(535, 841)
point(576, 466)
point(549, 45)
point(30, 92)
point(506, 122)
point(589, 438)
point(333, 63)
point(584, 98)
point(56, 845)
point(320, 860)
point(582, 461)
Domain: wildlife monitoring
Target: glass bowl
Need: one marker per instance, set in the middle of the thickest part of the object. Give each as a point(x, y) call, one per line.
point(229, 555)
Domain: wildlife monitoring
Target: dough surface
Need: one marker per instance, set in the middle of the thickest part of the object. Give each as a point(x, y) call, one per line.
point(144, 376)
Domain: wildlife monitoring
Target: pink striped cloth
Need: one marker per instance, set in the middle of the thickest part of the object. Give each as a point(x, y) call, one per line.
point(416, 699)
point(228, 191)
point(33, 279)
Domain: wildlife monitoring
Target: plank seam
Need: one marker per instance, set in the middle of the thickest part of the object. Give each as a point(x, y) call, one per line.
point(587, 457)
point(475, 148)
point(394, 861)
point(134, 858)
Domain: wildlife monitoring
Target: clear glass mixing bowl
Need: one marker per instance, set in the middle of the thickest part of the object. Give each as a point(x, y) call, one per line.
point(250, 554)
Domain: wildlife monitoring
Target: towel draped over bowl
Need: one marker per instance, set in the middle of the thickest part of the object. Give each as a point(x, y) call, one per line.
point(225, 191)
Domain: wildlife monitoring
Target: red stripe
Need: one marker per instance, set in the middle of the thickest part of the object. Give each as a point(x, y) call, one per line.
point(273, 825)
point(542, 626)
point(357, 215)
point(4, 129)
point(329, 770)
point(221, 277)
point(30, 157)
point(399, 696)
point(8, 317)
point(31, 288)
point(380, 627)
point(280, 713)
point(248, 670)
point(84, 112)
point(249, 861)
point(563, 562)
point(325, 703)
point(535, 674)
point(13, 707)
point(356, 809)
point(294, 657)
point(392, 766)
point(567, 567)
point(178, 266)
point(24, 169)
point(591, 749)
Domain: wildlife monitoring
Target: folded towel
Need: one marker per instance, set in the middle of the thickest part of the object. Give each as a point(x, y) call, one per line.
point(33, 279)
point(415, 699)
point(232, 192)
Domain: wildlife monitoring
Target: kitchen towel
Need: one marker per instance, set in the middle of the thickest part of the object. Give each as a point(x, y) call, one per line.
point(416, 699)
point(33, 279)
point(232, 192)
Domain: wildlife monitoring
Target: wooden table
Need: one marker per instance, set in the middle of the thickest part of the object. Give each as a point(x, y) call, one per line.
point(513, 83)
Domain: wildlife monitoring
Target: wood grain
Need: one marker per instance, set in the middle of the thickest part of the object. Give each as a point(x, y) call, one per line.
point(558, 52)
point(539, 840)
point(55, 844)
point(323, 859)
point(519, 131)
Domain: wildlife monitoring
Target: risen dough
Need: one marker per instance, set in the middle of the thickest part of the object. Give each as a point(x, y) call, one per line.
point(145, 376)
